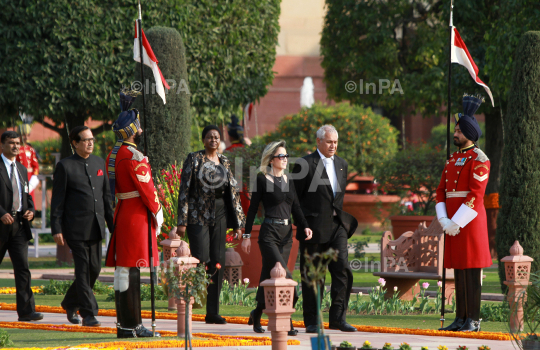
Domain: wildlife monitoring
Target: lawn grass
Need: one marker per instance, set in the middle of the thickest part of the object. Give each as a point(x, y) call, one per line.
point(364, 278)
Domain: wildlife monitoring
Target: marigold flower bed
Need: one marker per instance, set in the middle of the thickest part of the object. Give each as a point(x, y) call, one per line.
point(299, 324)
point(210, 339)
point(12, 290)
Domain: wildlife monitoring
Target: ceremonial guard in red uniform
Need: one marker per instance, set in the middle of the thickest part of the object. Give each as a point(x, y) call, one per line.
point(28, 157)
point(461, 212)
point(131, 182)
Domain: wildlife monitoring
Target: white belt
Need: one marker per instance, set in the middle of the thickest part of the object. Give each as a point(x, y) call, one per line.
point(127, 195)
point(457, 194)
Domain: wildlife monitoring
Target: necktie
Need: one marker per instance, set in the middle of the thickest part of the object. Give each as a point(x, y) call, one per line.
point(16, 201)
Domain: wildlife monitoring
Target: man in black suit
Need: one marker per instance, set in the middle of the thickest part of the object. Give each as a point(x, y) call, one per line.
point(80, 206)
point(320, 180)
point(16, 212)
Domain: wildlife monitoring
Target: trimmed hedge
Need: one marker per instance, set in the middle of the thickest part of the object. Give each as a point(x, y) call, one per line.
point(519, 217)
point(366, 139)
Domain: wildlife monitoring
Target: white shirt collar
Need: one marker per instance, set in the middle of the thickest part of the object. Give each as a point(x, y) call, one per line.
point(7, 161)
point(322, 155)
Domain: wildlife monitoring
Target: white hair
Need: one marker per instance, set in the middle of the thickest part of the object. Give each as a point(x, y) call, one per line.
point(324, 129)
point(268, 155)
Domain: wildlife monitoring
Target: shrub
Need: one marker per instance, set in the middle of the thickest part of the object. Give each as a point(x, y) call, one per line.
point(61, 287)
point(168, 124)
point(366, 139)
point(4, 339)
point(416, 170)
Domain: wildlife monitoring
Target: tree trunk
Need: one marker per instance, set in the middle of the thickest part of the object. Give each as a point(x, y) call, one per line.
point(494, 147)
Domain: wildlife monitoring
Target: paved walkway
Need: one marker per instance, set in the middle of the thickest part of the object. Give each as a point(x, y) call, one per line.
point(377, 339)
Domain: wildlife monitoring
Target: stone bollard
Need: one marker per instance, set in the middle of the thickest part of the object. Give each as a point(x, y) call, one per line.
point(169, 250)
point(279, 295)
point(518, 269)
point(183, 261)
point(233, 267)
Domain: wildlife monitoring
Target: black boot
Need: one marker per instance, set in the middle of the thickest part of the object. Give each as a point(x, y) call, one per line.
point(255, 319)
point(129, 309)
point(461, 302)
point(474, 297)
point(293, 332)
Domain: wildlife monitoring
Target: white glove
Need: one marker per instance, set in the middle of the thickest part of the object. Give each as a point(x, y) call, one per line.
point(33, 183)
point(158, 221)
point(444, 221)
point(451, 228)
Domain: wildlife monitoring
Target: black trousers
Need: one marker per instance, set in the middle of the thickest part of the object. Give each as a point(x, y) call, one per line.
point(340, 272)
point(207, 243)
point(275, 243)
point(468, 293)
point(17, 246)
point(87, 259)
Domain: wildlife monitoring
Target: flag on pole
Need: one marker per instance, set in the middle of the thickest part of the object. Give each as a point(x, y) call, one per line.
point(461, 55)
point(248, 111)
point(150, 60)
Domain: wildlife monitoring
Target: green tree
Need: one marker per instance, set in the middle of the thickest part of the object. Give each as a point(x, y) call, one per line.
point(366, 139)
point(369, 41)
point(408, 40)
point(168, 125)
point(67, 60)
point(519, 218)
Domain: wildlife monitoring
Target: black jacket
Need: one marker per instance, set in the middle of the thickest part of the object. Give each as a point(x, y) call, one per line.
point(80, 194)
point(196, 200)
point(317, 198)
point(6, 199)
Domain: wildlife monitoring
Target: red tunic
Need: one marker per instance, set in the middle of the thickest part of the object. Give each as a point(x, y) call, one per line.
point(27, 157)
point(463, 182)
point(129, 242)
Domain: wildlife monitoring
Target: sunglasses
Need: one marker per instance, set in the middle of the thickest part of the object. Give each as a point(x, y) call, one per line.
point(281, 156)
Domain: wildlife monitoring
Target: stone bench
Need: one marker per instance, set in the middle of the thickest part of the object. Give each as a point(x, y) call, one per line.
point(414, 256)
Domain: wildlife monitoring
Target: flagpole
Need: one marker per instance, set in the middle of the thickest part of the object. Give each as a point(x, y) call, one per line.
point(449, 113)
point(148, 214)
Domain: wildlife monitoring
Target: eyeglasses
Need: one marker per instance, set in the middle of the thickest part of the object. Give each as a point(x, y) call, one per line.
point(281, 156)
point(92, 140)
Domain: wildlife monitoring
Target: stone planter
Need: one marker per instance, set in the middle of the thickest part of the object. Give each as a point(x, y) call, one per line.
point(341, 348)
point(364, 207)
point(253, 261)
point(404, 223)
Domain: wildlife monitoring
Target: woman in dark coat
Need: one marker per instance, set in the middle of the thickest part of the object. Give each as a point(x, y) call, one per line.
point(208, 204)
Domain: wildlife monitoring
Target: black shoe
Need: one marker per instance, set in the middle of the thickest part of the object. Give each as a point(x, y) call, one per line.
point(311, 328)
point(454, 326)
point(34, 316)
point(470, 326)
point(255, 321)
point(214, 319)
point(72, 316)
point(90, 321)
point(293, 332)
point(343, 326)
point(138, 332)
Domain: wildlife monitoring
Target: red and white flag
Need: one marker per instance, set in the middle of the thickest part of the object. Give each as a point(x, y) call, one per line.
point(150, 60)
point(248, 111)
point(461, 55)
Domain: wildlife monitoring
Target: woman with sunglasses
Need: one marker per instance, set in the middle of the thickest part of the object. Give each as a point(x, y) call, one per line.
point(279, 199)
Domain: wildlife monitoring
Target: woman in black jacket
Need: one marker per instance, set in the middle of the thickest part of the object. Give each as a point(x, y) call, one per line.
point(279, 199)
point(208, 204)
